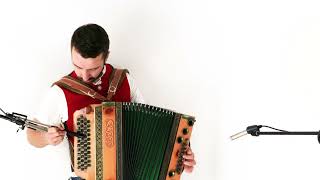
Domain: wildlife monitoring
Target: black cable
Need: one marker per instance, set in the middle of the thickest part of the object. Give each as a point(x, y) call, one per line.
point(3, 111)
point(274, 128)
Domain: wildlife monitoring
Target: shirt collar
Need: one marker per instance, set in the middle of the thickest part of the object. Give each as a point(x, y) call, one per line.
point(98, 80)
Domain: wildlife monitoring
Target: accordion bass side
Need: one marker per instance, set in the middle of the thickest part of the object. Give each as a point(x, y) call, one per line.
point(130, 141)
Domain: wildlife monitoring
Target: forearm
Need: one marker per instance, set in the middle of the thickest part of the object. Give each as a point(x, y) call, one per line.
point(36, 138)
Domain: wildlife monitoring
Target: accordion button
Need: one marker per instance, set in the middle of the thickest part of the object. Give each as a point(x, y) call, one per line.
point(179, 170)
point(171, 173)
point(185, 131)
point(180, 139)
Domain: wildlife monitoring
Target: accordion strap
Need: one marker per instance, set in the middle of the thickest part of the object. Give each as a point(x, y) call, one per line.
point(116, 77)
point(79, 87)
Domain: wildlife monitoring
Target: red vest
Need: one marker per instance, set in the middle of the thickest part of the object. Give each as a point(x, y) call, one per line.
point(76, 101)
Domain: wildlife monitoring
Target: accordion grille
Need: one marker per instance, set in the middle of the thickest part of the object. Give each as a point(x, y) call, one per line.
point(146, 130)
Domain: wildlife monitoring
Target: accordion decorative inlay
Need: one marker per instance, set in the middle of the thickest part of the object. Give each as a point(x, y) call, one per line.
point(130, 141)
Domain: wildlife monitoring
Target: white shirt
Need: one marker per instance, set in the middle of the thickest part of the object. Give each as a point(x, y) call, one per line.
point(53, 110)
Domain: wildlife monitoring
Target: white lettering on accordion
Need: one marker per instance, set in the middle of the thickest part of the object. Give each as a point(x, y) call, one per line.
point(110, 133)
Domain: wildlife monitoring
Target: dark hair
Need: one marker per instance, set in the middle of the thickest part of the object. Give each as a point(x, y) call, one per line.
point(90, 40)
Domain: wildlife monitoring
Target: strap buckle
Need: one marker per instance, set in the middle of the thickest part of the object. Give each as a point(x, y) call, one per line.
point(92, 94)
point(112, 89)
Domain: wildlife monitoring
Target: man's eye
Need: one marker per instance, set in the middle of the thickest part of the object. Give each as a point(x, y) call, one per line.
point(77, 67)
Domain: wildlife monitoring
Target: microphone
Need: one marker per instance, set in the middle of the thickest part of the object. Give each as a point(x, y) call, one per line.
point(253, 130)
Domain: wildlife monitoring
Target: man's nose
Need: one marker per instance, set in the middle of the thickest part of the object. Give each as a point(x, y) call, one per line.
point(85, 76)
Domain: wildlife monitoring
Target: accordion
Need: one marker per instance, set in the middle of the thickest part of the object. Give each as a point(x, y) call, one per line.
point(130, 141)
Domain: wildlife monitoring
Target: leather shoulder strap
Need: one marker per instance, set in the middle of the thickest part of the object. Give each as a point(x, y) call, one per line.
point(79, 87)
point(116, 79)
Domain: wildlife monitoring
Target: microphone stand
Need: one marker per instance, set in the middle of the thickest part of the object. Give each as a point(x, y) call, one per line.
point(22, 121)
point(255, 131)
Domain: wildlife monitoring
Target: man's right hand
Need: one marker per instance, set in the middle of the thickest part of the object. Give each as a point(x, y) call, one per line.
point(54, 136)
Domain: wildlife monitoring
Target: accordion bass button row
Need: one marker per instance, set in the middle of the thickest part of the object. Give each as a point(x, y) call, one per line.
point(180, 147)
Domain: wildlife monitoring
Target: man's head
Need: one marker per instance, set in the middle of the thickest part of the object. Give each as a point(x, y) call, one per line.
point(89, 51)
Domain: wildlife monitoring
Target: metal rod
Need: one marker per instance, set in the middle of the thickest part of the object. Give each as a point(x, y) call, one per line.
point(289, 133)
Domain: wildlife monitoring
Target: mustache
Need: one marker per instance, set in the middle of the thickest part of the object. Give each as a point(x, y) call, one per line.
point(90, 80)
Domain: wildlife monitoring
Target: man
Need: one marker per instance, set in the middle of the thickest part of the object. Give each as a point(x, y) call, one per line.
point(89, 52)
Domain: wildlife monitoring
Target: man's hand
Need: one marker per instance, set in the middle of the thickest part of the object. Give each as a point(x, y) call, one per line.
point(189, 161)
point(55, 135)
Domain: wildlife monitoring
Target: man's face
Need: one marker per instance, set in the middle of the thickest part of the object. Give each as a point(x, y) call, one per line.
point(87, 69)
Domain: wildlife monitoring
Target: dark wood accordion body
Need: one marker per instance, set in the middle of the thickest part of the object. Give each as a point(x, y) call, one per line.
point(130, 141)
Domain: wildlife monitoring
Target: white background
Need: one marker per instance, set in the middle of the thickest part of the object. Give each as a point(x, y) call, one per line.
point(230, 63)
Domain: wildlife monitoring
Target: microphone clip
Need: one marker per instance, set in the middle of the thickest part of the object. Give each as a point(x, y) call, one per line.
point(254, 130)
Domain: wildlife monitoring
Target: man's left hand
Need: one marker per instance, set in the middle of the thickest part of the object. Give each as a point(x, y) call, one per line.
point(189, 161)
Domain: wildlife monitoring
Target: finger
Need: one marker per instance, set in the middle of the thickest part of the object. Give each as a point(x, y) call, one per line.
point(189, 162)
point(55, 143)
point(60, 127)
point(191, 156)
point(52, 130)
point(188, 169)
point(56, 131)
point(58, 137)
point(53, 135)
point(189, 151)
point(55, 140)
point(61, 133)
point(88, 109)
point(81, 112)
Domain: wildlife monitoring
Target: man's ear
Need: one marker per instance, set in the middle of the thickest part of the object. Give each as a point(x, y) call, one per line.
point(106, 56)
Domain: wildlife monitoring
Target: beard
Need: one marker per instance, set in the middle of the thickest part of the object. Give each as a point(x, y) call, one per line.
point(89, 81)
